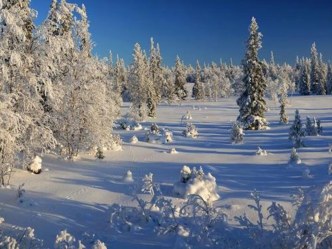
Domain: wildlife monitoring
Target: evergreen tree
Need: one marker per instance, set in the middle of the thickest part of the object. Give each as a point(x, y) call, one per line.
point(283, 102)
point(251, 102)
point(317, 73)
point(180, 80)
point(198, 91)
point(139, 77)
point(329, 79)
point(304, 79)
point(296, 132)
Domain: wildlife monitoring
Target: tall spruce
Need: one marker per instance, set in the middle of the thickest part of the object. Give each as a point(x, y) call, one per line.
point(251, 102)
point(180, 80)
point(198, 91)
point(317, 75)
point(304, 78)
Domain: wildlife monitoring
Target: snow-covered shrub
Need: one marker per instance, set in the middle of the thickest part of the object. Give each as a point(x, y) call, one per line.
point(128, 123)
point(99, 245)
point(190, 131)
point(196, 182)
point(186, 117)
point(294, 157)
point(151, 137)
point(167, 136)
point(237, 133)
point(36, 165)
point(99, 153)
point(64, 240)
point(128, 176)
point(296, 132)
point(9, 243)
point(154, 129)
point(133, 140)
point(261, 152)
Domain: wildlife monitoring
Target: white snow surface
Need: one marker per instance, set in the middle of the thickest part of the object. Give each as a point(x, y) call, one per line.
point(76, 196)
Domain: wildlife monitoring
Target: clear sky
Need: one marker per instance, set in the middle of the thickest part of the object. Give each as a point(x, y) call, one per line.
point(207, 30)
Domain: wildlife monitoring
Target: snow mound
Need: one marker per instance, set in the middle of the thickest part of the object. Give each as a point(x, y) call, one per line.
point(36, 165)
point(196, 182)
point(133, 140)
point(128, 177)
point(307, 174)
point(173, 151)
point(261, 152)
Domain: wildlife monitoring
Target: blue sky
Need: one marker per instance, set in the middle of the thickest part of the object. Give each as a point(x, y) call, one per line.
point(207, 30)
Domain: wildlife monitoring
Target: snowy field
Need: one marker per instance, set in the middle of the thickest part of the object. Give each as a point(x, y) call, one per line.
point(77, 195)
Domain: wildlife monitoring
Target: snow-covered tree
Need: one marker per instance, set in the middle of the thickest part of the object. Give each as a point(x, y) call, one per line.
point(198, 91)
point(283, 97)
point(237, 133)
point(139, 77)
point(296, 132)
point(86, 107)
point(304, 77)
point(329, 79)
point(19, 80)
point(180, 79)
point(251, 102)
point(317, 75)
point(294, 157)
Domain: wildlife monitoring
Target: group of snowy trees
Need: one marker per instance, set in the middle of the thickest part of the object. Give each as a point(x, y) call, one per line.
point(53, 89)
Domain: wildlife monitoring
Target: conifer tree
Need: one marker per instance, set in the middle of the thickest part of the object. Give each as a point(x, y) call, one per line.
point(251, 102)
point(304, 79)
point(139, 76)
point(180, 80)
point(329, 79)
point(296, 132)
point(317, 74)
point(198, 91)
point(283, 102)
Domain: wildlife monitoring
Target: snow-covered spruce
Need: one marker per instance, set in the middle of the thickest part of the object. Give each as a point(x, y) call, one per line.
point(36, 165)
point(193, 181)
point(294, 157)
point(296, 132)
point(261, 152)
point(251, 102)
point(237, 133)
point(128, 176)
point(313, 127)
point(190, 131)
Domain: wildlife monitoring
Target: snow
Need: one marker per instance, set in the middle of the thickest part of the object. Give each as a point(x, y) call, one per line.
point(76, 196)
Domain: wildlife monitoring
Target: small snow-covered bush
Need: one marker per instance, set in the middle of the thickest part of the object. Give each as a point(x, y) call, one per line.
point(151, 137)
point(129, 124)
point(186, 117)
point(296, 131)
point(237, 133)
point(36, 165)
point(190, 131)
point(128, 176)
point(65, 240)
point(154, 129)
point(167, 136)
point(196, 182)
point(294, 157)
point(100, 153)
point(99, 245)
point(261, 152)
point(115, 144)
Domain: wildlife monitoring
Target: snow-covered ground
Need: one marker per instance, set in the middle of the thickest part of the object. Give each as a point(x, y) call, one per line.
point(77, 195)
